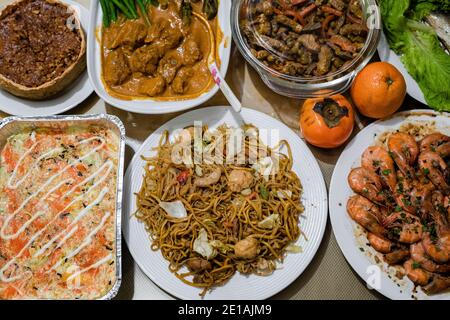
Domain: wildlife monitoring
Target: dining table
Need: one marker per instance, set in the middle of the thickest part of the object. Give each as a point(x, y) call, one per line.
point(329, 276)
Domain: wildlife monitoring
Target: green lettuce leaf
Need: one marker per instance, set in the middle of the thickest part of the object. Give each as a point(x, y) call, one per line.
point(419, 48)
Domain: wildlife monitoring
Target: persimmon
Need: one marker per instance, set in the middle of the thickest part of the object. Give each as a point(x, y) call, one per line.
point(327, 122)
point(378, 90)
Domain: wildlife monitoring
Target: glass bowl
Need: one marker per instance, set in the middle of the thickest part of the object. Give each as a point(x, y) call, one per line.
point(315, 86)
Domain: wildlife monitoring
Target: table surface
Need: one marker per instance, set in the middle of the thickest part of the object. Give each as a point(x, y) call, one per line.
point(329, 276)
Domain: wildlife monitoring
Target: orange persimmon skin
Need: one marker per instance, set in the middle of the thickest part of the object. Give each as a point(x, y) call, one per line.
point(316, 130)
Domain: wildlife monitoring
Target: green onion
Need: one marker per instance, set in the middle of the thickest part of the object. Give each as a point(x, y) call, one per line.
point(143, 11)
point(123, 8)
point(106, 13)
point(263, 192)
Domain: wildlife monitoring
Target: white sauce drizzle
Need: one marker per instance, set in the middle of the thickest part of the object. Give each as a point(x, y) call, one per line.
point(81, 214)
point(92, 266)
point(49, 181)
point(86, 241)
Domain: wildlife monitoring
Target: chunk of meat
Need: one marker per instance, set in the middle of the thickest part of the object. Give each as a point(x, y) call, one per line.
point(145, 59)
point(337, 4)
point(152, 86)
point(171, 36)
point(198, 264)
point(130, 34)
point(192, 52)
point(324, 63)
point(288, 22)
point(239, 180)
point(247, 248)
point(168, 67)
point(353, 28)
point(155, 30)
point(309, 41)
point(274, 43)
point(116, 70)
point(292, 68)
point(181, 81)
point(355, 8)
point(343, 43)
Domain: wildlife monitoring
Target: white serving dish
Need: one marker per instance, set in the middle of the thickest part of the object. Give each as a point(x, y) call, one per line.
point(239, 287)
point(378, 276)
point(151, 106)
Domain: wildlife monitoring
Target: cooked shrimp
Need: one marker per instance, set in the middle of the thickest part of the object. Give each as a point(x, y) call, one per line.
point(209, 179)
point(404, 150)
point(418, 255)
point(366, 214)
point(378, 160)
point(239, 180)
point(415, 273)
point(411, 232)
point(408, 226)
point(438, 248)
point(433, 166)
point(421, 198)
point(367, 184)
point(437, 285)
point(396, 257)
point(436, 142)
point(380, 244)
point(403, 193)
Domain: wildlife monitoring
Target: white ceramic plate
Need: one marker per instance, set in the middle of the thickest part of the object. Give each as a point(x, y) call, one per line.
point(350, 240)
point(239, 287)
point(149, 106)
point(388, 55)
point(68, 99)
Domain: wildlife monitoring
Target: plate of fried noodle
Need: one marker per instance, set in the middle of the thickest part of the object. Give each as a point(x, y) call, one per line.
point(222, 205)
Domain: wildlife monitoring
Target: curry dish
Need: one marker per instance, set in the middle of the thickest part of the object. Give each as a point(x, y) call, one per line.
point(166, 59)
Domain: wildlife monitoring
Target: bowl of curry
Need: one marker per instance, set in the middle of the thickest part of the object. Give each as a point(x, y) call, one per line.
point(157, 62)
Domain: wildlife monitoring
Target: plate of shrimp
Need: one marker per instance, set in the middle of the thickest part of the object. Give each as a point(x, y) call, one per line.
point(390, 205)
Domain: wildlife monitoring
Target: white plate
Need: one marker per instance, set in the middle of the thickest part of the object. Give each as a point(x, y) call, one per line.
point(68, 99)
point(345, 229)
point(388, 55)
point(149, 106)
point(239, 287)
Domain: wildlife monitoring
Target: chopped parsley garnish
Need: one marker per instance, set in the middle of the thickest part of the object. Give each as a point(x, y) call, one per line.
point(386, 172)
point(416, 265)
point(426, 171)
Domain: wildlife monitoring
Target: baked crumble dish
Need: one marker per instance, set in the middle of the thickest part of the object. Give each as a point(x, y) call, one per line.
point(42, 48)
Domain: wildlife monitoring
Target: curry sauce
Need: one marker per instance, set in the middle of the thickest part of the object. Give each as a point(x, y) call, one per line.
point(166, 60)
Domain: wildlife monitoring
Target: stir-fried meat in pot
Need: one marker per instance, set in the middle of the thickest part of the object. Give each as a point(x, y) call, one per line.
point(304, 38)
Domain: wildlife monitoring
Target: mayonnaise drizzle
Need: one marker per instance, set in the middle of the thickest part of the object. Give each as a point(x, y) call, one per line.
point(37, 234)
point(86, 241)
point(35, 164)
point(108, 258)
point(34, 217)
point(80, 215)
point(49, 181)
